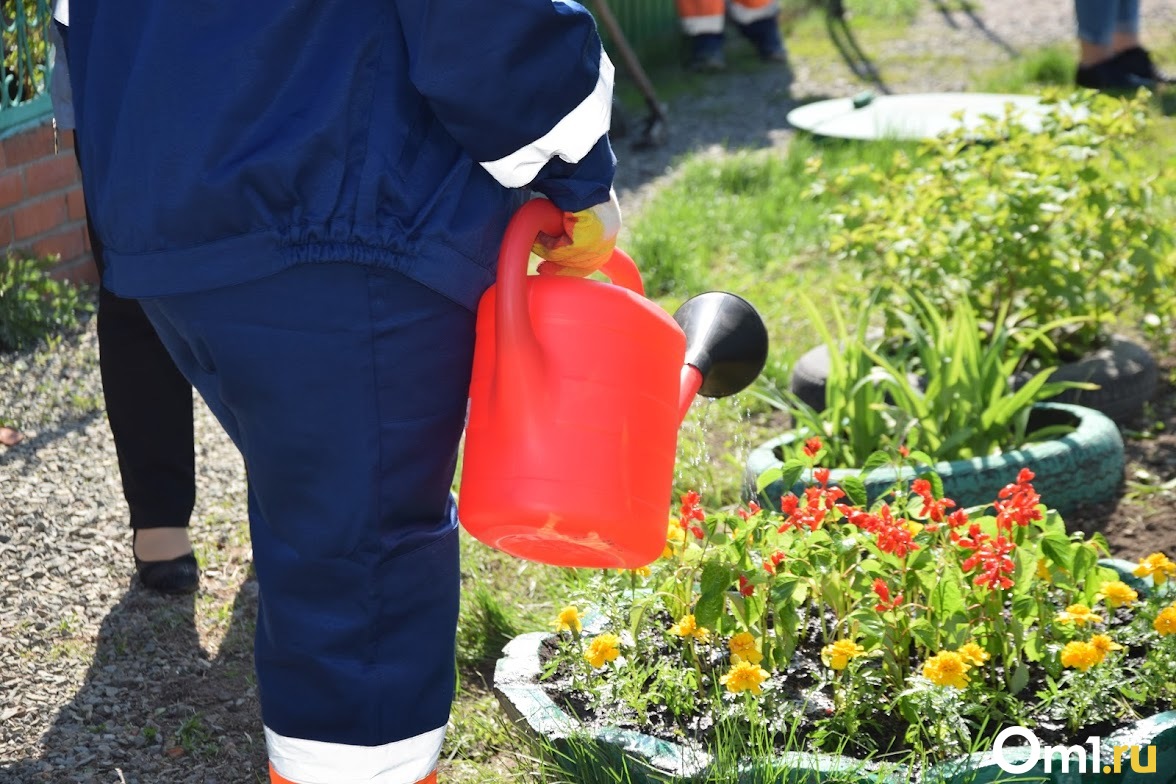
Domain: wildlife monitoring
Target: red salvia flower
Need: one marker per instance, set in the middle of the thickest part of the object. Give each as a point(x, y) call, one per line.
point(1017, 504)
point(812, 446)
point(745, 586)
point(934, 508)
point(992, 557)
point(690, 512)
point(752, 509)
point(882, 590)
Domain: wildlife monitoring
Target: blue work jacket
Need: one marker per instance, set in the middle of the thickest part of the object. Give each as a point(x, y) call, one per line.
point(226, 140)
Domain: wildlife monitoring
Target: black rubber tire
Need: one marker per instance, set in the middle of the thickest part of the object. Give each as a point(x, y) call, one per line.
point(1081, 468)
point(810, 372)
point(1125, 371)
point(808, 377)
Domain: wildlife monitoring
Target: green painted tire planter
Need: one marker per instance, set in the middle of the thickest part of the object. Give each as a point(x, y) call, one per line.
point(1083, 467)
point(650, 760)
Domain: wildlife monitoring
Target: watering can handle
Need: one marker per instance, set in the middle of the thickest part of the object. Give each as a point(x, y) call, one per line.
point(516, 344)
point(535, 216)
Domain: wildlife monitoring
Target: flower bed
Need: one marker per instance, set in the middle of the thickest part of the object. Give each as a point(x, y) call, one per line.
point(903, 634)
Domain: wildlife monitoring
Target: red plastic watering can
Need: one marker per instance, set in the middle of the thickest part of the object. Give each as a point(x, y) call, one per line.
point(578, 390)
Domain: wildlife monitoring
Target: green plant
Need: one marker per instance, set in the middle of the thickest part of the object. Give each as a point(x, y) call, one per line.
point(26, 48)
point(944, 389)
point(1044, 224)
point(32, 304)
point(905, 629)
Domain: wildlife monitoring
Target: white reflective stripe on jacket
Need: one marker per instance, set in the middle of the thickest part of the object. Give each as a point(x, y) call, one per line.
point(570, 139)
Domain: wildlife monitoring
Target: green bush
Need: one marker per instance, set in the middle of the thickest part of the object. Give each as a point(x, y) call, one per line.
point(1046, 224)
point(32, 304)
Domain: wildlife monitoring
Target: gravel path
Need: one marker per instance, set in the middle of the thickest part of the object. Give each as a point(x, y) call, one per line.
point(99, 683)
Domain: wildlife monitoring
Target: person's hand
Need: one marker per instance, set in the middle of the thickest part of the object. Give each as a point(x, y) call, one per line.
point(587, 242)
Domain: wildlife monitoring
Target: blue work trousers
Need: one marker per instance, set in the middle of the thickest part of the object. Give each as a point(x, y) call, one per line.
point(345, 388)
point(1099, 20)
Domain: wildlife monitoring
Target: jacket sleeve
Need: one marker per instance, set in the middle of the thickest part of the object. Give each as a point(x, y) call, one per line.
point(523, 85)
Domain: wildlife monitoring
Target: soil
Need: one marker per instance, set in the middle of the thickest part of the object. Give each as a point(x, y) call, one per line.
point(1143, 519)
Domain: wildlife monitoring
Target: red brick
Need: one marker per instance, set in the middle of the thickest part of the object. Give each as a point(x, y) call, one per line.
point(67, 245)
point(6, 231)
point(11, 188)
point(75, 203)
point(28, 146)
point(81, 270)
point(65, 141)
point(37, 217)
point(51, 174)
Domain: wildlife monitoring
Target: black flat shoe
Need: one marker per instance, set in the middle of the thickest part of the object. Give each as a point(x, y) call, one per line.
point(176, 576)
point(1138, 62)
point(1110, 75)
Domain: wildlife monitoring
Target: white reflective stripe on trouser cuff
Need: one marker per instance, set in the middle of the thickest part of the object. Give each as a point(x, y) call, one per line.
point(571, 138)
point(316, 762)
point(700, 25)
point(745, 16)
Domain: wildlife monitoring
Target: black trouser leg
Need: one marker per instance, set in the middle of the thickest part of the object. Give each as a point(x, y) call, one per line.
point(149, 405)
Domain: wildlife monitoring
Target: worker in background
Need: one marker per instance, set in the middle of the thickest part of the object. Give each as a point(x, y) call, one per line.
point(308, 197)
point(703, 22)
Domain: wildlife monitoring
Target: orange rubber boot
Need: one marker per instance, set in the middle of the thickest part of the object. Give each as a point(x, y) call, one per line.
point(275, 778)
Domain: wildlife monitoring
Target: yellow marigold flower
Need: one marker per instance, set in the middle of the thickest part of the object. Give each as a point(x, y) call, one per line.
point(1043, 572)
point(1080, 655)
point(1079, 614)
point(688, 627)
point(1104, 644)
point(603, 648)
point(674, 534)
point(744, 676)
point(743, 648)
point(1165, 622)
point(568, 620)
point(1118, 593)
point(1157, 566)
point(837, 655)
point(973, 654)
point(947, 668)
point(642, 571)
point(914, 527)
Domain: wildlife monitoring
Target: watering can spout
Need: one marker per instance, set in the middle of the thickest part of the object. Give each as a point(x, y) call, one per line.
point(726, 346)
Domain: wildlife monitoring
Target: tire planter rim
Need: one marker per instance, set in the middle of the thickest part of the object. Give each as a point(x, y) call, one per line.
point(1090, 463)
point(523, 698)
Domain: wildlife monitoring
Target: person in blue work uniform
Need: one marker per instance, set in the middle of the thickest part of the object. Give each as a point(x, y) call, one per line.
point(307, 197)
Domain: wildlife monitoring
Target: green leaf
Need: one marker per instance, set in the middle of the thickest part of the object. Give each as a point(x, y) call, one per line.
point(855, 490)
point(877, 459)
point(790, 474)
point(947, 598)
point(716, 579)
point(1058, 549)
point(920, 457)
point(1019, 679)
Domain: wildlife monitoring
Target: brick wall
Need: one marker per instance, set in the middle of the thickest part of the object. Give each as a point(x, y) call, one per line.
point(41, 206)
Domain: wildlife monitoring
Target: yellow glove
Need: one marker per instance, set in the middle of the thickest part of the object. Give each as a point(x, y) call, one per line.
point(587, 242)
